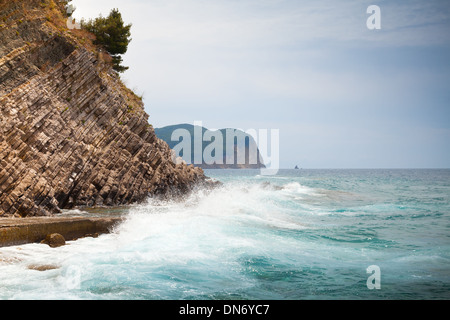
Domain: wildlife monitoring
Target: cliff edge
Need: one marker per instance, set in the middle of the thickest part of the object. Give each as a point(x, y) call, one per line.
point(71, 134)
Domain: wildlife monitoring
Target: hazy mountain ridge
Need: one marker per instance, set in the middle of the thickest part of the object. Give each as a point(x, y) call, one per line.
point(245, 153)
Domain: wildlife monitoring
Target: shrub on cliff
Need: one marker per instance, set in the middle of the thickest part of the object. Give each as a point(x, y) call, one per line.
point(112, 34)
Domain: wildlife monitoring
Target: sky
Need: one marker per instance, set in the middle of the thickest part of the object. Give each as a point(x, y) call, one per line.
point(341, 95)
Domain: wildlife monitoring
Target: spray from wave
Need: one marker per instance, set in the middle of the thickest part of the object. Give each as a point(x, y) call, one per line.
point(164, 249)
point(253, 238)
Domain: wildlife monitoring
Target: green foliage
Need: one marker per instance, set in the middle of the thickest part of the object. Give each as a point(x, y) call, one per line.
point(113, 35)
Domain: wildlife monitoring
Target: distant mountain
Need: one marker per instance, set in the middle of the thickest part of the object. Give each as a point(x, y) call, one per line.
point(244, 154)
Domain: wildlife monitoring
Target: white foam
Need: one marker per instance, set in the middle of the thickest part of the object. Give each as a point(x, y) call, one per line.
point(209, 230)
point(297, 188)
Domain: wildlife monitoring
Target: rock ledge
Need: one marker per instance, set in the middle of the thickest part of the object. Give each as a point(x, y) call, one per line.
point(17, 231)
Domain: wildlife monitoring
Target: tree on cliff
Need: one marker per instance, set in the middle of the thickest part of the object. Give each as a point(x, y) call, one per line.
point(112, 34)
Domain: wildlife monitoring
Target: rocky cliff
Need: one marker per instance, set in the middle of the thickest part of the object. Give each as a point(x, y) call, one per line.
point(71, 134)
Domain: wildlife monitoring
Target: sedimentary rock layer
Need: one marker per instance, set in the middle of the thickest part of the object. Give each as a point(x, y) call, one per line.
point(71, 134)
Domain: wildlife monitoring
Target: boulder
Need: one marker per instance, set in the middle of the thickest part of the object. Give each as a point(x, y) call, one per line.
point(54, 240)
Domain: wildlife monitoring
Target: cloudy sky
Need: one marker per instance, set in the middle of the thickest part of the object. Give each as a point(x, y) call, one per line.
point(341, 95)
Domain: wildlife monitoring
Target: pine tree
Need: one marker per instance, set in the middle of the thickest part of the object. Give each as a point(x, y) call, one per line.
point(113, 35)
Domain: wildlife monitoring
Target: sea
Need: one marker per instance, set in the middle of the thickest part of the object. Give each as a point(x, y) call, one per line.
point(298, 235)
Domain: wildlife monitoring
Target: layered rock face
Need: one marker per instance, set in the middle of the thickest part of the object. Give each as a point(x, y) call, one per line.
point(71, 134)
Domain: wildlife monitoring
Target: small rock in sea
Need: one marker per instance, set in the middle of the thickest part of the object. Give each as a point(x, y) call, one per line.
point(43, 267)
point(54, 240)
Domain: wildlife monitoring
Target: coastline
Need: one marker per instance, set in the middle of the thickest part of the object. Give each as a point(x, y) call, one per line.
point(17, 231)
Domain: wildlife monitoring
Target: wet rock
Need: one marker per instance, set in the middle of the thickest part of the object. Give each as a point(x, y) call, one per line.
point(54, 240)
point(42, 267)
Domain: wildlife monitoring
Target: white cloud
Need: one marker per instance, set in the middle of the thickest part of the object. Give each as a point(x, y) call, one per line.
point(234, 24)
point(196, 49)
point(250, 61)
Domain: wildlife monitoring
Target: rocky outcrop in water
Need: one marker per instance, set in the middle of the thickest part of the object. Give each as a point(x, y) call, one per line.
point(71, 134)
point(244, 152)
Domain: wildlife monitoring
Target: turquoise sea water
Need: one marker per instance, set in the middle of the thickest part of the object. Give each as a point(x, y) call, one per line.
point(302, 234)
